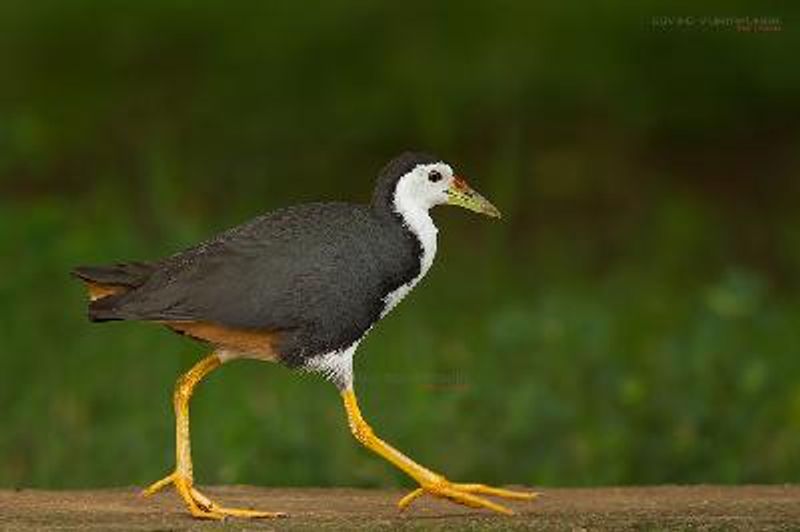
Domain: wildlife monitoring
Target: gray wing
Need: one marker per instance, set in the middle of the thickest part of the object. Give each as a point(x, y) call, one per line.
point(320, 270)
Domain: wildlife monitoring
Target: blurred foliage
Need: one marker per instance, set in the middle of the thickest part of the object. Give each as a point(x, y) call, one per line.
point(633, 319)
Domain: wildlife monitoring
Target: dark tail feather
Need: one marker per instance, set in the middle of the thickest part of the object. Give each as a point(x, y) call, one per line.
point(107, 309)
point(130, 274)
point(122, 278)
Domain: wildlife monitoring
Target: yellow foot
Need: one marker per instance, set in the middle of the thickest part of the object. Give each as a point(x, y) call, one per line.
point(467, 494)
point(199, 505)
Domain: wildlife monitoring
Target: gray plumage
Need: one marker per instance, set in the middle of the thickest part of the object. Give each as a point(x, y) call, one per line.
point(315, 274)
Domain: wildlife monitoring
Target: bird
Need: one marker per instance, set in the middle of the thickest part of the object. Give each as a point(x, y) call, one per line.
point(301, 286)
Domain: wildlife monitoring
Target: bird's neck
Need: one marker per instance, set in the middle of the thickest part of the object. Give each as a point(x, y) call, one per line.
point(418, 221)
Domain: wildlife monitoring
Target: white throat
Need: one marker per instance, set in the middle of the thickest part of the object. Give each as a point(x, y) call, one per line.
point(416, 217)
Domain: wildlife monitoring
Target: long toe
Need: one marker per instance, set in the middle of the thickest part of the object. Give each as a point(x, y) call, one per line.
point(249, 514)
point(467, 499)
point(208, 505)
point(201, 506)
point(159, 485)
point(468, 495)
point(483, 489)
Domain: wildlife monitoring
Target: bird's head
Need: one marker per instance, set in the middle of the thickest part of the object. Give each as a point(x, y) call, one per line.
point(423, 181)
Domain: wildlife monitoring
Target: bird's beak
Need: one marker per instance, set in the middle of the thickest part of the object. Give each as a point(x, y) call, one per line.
point(461, 194)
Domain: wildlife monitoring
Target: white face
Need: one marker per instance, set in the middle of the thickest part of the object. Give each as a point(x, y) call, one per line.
point(425, 186)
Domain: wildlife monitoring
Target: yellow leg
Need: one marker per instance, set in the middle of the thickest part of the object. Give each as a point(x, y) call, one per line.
point(430, 482)
point(198, 504)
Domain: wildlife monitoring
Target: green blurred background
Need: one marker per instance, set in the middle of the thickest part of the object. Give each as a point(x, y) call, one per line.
point(633, 319)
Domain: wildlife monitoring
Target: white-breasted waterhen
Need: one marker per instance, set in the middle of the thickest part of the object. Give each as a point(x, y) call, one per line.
point(301, 286)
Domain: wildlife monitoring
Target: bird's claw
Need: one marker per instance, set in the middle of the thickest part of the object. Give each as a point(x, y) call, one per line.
point(466, 494)
point(198, 504)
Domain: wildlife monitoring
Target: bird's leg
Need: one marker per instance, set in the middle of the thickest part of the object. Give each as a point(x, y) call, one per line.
point(198, 504)
point(430, 482)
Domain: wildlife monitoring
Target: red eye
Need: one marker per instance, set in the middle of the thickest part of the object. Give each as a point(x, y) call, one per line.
point(434, 176)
